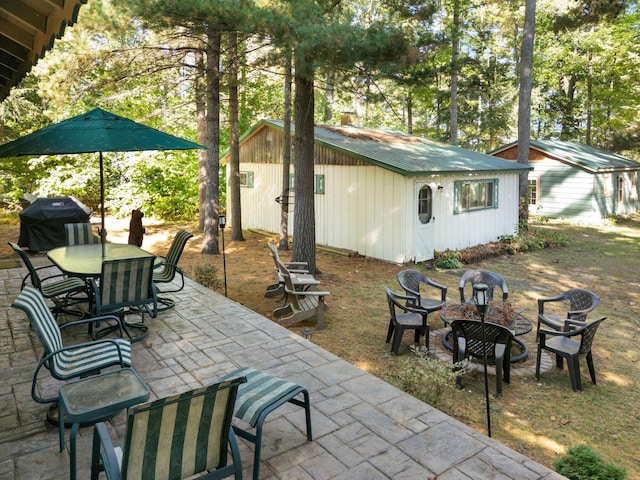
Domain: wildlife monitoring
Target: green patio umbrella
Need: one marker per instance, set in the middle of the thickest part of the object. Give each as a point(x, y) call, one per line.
point(94, 131)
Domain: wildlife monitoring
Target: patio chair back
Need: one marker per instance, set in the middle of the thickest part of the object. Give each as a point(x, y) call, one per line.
point(167, 270)
point(581, 303)
point(410, 281)
point(490, 279)
point(31, 302)
point(470, 342)
point(80, 234)
point(64, 292)
point(33, 274)
point(176, 437)
point(126, 283)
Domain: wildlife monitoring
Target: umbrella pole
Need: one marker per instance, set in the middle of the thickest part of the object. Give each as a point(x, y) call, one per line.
point(103, 232)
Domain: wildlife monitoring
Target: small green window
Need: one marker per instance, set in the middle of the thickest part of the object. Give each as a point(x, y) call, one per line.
point(246, 179)
point(318, 185)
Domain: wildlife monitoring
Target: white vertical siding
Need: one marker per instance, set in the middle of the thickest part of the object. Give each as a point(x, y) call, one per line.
point(373, 211)
point(477, 227)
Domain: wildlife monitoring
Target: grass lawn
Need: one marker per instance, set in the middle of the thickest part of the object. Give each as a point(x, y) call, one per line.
point(540, 419)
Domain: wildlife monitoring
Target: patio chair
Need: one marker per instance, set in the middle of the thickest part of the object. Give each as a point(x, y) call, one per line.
point(165, 272)
point(65, 292)
point(298, 271)
point(412, 281)
point(409, 318)
point(174, 438)
point(568, 345)
point(301, 305)
point(72, 361)
point(126, 288)
point(80, 234)
point(490, 279)
point(262, 394)
point(579, 302)
point(469, 343)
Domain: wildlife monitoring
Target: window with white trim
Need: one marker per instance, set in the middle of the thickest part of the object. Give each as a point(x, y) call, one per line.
point(473, 195)
point(534, 190)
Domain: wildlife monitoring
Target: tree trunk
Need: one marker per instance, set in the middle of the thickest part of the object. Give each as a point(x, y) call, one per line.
point(212, 190)
point(233, 182)
point(524, 104)
point(304, 233)
point(286, 159)
point(455, 45)
point(587, 139)
point(201, 126)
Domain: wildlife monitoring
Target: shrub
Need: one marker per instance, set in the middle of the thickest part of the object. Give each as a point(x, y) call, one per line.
point(448, 260)
point(582, 463)
point(206, 273)
point(428, 379)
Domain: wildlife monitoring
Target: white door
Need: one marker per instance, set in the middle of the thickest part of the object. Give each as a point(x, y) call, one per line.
point(425, 219)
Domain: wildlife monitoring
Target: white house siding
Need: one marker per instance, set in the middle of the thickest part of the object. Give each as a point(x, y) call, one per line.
point(373, 211)
point(259, 207)
point(566, 191)
point(478, 227)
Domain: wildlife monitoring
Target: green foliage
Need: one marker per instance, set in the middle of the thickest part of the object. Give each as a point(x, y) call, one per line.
point(206, 273)
point(619, 220)
point(582, 463)
point(428, 379)
point(448, 260)
point(535, 239)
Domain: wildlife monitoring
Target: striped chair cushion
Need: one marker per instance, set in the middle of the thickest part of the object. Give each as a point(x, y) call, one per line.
point(181, 435)
point(126, 282)
point(62, 287)
point(80, 234)
point(167, 270)
point(73, 362)
point(261, 390)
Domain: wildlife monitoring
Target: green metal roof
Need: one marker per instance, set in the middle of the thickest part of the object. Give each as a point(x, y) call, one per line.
point(402, 153)
point(582, 156)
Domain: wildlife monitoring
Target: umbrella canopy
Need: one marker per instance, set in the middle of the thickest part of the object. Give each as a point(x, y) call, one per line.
point(94, 131)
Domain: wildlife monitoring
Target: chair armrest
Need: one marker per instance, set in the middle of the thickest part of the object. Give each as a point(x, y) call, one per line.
point(83, 321)
point(315, 293)
point(43, 362)
point(574, 323)
point(102, 443)
point(577, 313)
point(542, 301)
point(296, 264)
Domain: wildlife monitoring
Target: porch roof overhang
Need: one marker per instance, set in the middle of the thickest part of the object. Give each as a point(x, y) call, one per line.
point(28, 29)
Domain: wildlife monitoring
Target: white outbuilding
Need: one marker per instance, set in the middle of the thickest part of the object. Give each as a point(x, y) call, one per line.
point(381, 193)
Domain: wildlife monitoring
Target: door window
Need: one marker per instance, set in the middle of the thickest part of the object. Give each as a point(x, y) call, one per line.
point(425, 204)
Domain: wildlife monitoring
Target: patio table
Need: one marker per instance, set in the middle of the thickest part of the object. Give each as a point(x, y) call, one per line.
point(86, 260)
point(95, 399)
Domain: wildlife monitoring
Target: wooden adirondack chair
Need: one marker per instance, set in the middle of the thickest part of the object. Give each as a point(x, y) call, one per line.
point(301, 305)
